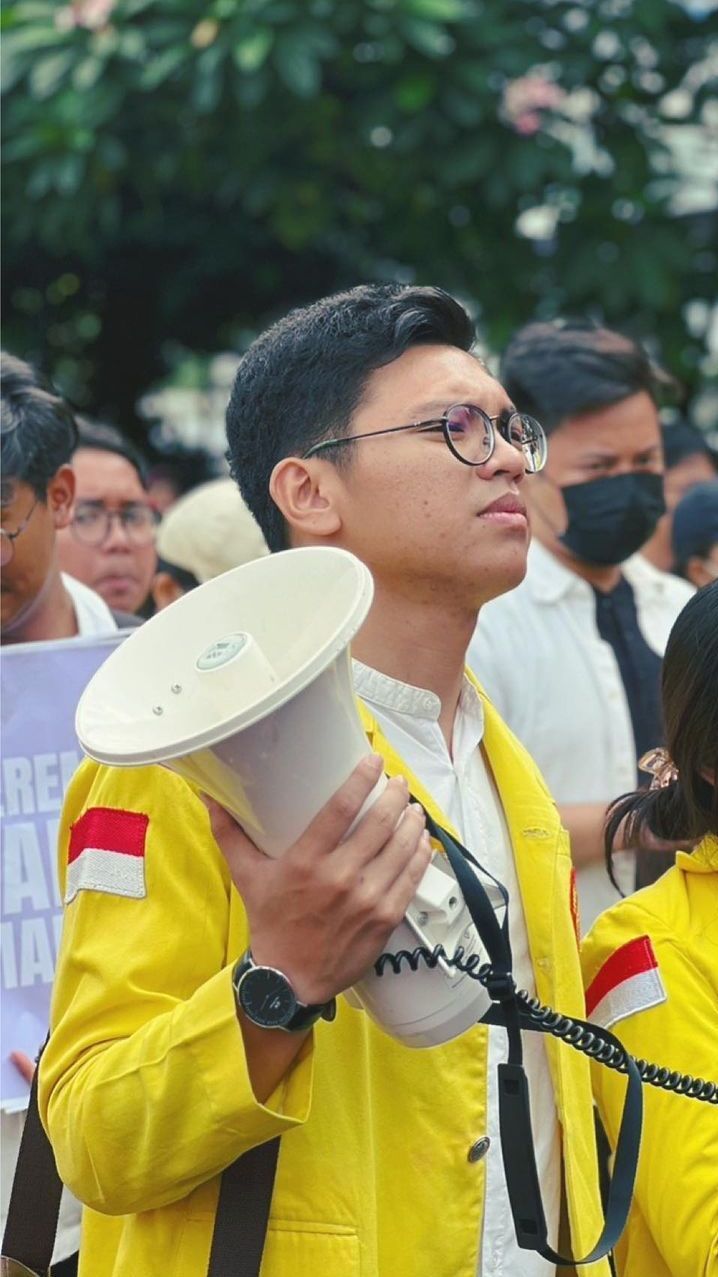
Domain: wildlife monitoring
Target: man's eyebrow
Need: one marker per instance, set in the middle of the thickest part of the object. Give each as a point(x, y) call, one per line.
point(100, 503)
point(437, 408)
point(599, 456)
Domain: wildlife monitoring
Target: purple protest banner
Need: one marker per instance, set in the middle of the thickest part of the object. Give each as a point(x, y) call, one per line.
point(41, 685)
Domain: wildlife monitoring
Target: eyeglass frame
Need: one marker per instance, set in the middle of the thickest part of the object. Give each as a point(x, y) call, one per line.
point(443, 423)
point(109, 516)
point(11, 537)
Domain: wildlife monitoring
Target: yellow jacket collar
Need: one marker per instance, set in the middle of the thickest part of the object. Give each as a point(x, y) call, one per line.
point(704, 860)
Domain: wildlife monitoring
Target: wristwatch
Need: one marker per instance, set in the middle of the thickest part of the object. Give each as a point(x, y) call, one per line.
point(267, 998)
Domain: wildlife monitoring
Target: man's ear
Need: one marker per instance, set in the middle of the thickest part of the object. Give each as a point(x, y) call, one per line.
point(306, 493)
point(60, 496)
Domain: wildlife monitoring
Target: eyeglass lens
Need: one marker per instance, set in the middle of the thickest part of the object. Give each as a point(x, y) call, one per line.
point(92, 524)
point(472, 436)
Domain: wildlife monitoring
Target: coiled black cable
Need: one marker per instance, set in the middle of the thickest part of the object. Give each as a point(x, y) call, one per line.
point(577, 1033)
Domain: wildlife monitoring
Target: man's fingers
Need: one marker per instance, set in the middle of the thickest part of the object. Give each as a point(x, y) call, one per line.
point(404, 888)
point(331, 825)
point(238, 850)
point(387, 865)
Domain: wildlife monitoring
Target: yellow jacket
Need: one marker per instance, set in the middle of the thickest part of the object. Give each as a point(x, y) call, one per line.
point(146, 1098)
point(673, 1226)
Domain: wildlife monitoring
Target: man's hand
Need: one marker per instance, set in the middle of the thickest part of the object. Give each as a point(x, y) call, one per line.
point(24, 1065)
point(323, 911)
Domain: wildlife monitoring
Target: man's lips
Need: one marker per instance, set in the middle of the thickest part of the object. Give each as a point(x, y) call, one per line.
point(117, 579)
point(507, 506)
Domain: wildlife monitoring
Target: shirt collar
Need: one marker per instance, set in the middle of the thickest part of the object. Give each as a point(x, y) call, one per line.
point(549, 580)
point(391, 694)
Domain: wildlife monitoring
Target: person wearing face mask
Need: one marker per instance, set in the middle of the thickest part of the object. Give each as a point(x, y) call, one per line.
point(572, 656)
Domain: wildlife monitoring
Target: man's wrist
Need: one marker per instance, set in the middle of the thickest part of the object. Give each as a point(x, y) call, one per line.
point(266, 997)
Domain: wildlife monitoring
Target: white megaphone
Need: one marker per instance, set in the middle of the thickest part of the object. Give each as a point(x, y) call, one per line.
point(244, 687)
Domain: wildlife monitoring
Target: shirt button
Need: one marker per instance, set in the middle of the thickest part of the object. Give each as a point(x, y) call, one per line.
point(478, 1149)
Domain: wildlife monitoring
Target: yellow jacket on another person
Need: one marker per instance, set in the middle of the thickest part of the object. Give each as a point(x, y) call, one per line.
point(673, 1226)
point(145, 1093)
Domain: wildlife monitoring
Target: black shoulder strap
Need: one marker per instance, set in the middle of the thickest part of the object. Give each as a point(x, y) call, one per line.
point(240, 1225)
point(517, 1148)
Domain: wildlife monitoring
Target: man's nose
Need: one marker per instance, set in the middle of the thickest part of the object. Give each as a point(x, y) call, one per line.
point(505, 459)
point(117, 537)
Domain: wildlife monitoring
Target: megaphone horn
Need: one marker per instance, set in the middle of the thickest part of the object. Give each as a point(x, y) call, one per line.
point(244, 687)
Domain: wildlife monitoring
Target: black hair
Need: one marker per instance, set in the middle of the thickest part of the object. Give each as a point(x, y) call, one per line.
point(301, 380)
point(560, 369)
point(695, 524)
point(687, 808)
point(38, 429)
point(104, 438)
point(683, 440)
point(183, 466)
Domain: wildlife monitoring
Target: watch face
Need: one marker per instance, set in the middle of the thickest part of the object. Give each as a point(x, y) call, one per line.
point(267, 998)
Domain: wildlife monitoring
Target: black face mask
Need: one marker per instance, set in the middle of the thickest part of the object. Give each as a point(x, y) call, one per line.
point(609, 519)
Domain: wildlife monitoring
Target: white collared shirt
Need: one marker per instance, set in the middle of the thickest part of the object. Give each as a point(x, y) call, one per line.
point(538, 653)
point(462, 787)
point(92, 614)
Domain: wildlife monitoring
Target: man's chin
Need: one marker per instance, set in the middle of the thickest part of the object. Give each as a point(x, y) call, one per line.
point(510, 570)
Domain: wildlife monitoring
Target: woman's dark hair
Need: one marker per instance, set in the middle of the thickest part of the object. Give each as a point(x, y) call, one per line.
point(104, 438)
point(38, 429)
point(560, 369)
point(687, 808)
point(301, 380)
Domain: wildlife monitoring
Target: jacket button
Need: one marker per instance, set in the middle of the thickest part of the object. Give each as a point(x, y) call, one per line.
point(478, 1149)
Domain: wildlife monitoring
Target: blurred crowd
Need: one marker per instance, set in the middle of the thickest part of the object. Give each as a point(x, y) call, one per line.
point(624, 523)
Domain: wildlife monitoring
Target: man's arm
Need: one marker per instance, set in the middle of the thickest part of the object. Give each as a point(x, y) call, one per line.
point(322, 912)
point(584, 822)
point(149, 1086)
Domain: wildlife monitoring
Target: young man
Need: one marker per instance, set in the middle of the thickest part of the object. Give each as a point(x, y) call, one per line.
point(110, 541)
point(155, 1080)
point(572, 658)
point(39, 436)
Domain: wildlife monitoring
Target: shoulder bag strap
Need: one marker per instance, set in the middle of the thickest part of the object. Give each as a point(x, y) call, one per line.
point(35, 1198)
point(240, 1226)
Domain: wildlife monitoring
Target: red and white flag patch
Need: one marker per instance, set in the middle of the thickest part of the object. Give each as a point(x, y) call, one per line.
point(629, 981)
point(107, 853)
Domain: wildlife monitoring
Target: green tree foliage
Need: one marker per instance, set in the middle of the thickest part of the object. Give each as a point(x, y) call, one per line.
point(179, 171)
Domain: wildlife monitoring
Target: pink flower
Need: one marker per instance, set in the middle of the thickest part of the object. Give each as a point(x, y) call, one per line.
point(93, 15)
point(524, 100)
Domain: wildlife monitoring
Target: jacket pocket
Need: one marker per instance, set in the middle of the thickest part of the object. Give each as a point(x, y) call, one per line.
point(293, 1249)
point(296, 1249)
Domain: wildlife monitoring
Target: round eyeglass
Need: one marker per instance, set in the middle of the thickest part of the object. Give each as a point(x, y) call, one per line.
point(470, 435)
point(91, 523)
point(8, 539)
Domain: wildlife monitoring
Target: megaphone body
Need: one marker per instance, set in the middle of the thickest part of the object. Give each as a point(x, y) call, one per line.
point(244, 687)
